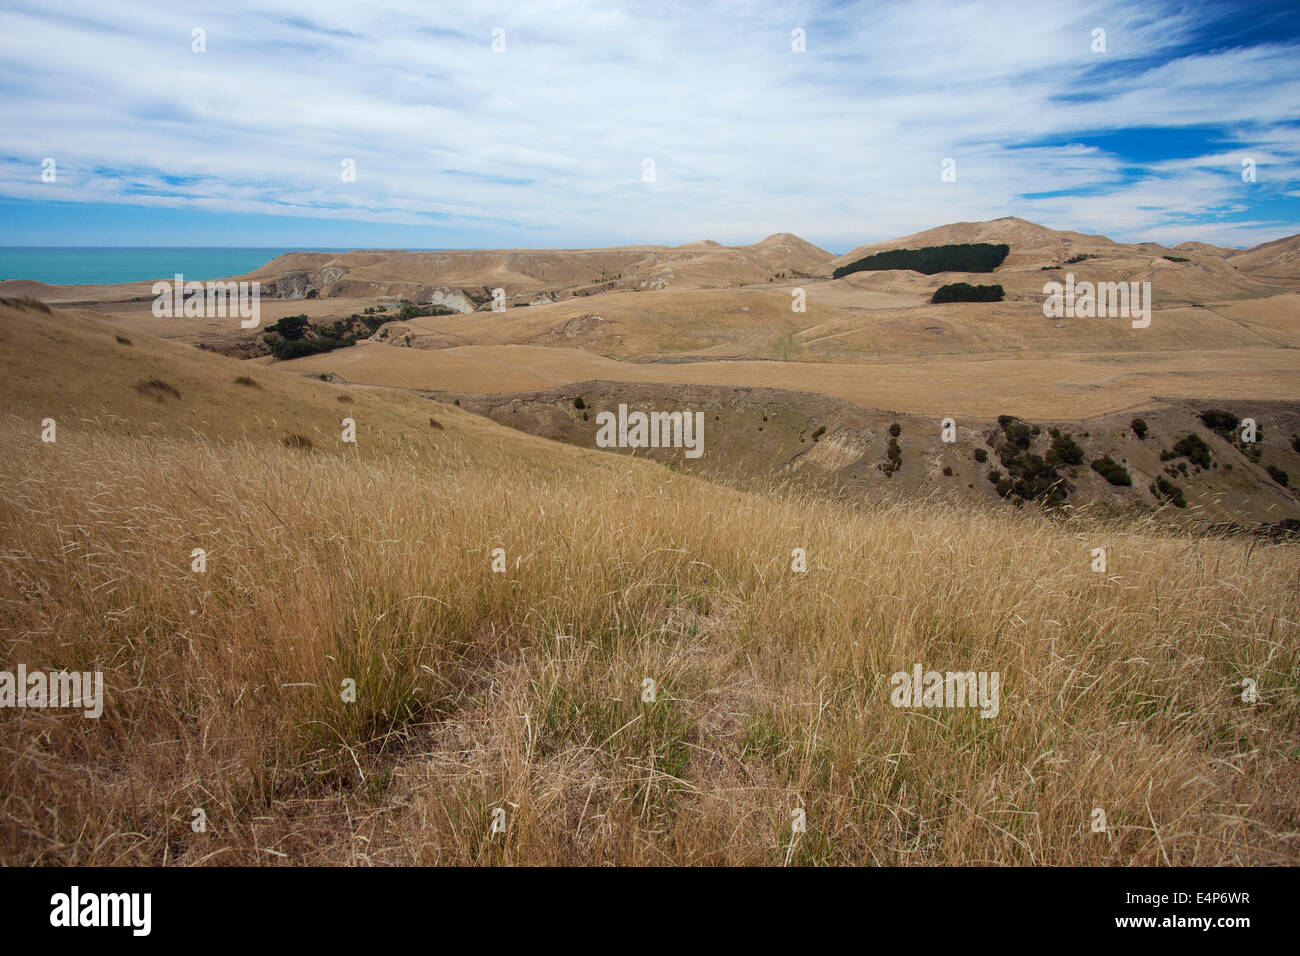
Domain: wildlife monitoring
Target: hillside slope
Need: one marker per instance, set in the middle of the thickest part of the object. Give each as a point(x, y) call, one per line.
point(525, 274)
point(1029, 241)
point(104, 382)
point(1211, 273)
point(643, 674)
point(757, 437)
point(1279, 259)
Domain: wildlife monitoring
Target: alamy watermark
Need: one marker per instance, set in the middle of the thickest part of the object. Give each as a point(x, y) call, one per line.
point(651, 430)
point(213, 300)
point(953, 689)
point(38, 690)
point(1103, 300)
point(75, 908)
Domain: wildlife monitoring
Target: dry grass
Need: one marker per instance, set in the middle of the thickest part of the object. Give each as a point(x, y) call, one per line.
point(868, 317)
point(521, 690)
point(1055, 387)
point(158, 390)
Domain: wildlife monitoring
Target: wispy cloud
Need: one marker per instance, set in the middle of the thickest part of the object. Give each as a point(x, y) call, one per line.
point(842, 143)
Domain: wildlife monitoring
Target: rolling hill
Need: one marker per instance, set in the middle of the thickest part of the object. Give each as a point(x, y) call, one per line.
point(532, 275)
point(1279, 259)
point(356, 673)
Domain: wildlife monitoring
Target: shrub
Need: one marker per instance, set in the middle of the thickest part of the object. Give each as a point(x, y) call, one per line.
point(1178, 259)
point(294, 337)
point(965, 292)
point(290, 328)
point(157, 389)
point(122, 340)
point(1018, 433)
point(894, 456)
point(1278, 475)
point(819, 432)
point(1037, 480)
point(291, 350)
point(947, 470)
point(1065, 450)
point(994, 475)
point(579, 403)
point(981, 455)
point(1032, 477)
point(1295, 443)
point(294, 440)
point(1192, 447)
point(1079, 258)
point(1139, 427)
point(1112, 471)
point(960, 257)
point(895, 429)
point(409, 310)
point(1219, 420)
point(1169, 491)
point(434, 423)
point(245, 380)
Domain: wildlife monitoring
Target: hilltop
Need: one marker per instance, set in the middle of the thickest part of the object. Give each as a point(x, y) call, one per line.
point(1279, 259)
point(464, 279)
point(1028, 240)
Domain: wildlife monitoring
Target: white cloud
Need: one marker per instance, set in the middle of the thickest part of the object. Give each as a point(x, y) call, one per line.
point(842, 143)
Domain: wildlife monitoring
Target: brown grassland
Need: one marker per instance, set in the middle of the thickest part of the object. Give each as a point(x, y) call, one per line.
point(521, 690)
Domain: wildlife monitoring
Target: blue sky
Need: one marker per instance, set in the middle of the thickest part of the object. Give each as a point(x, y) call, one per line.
point(544, 143)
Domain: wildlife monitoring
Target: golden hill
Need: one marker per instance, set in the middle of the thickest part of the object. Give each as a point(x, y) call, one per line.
point(139, 386)
point(1030, 242)
point(1279, 259)
point(525, 690)
point(525, 273)
point(1212, 274)
point(1218, 333)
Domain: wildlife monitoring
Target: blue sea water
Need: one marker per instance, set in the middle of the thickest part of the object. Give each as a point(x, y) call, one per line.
point(104, 265)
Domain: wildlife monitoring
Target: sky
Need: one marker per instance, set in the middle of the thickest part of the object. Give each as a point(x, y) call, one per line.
point(580, 124)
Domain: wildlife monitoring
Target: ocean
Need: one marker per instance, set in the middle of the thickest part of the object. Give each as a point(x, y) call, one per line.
point(68, 265)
